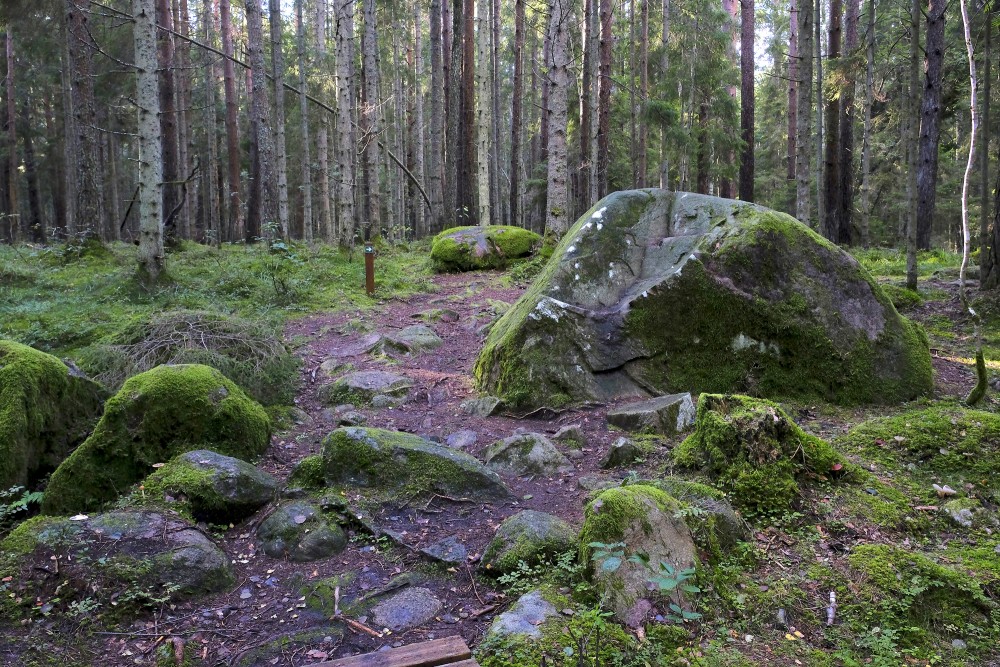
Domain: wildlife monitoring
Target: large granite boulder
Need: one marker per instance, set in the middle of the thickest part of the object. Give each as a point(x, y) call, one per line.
point(655, 292)
point(475, 248)
point(155, 416)
point(46, 409)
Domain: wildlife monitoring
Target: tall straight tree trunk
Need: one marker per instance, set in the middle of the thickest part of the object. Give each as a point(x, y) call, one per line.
point(263, 205)
point(793, 83)
point(370, 118)
point(831, 171)
point(88, 207)
point(168, 119)
point(604, 101)
point(930, 123)
point(632, 67)
point(278, 77)
point(58, 172)
point(846, 199)
point(703, 149)
point(397, 202)
point(664, 69)
point(515, 116)
point(820, 128)
point(35, 225)
point(435, 166)
point(747, 99)
point(419, 212)
point(557, 194)
point(455, 153)
point(13, 170)
point(467, 190)
point(182, 79)
point(586, 108)
point(643, 91)
point(732, 8)
point(984, 167)
point(803, 121)
point(497, 201)
point(913, 136)
point(866, 147)
point(305, 165)
point(150, 254)
point(345, 7)
point(345, 136)
point(482, 108)
point(236, 222)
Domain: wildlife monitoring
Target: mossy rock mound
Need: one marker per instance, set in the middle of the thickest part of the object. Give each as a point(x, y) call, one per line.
point(46, 409)
point(655, 292)
point(530, 537)
point(132, 557)
point(944, 443)
point(299, 531)
point(209, 487)
point(399, 466)
point(754, 451)
point(477, 248)
point(155, 416)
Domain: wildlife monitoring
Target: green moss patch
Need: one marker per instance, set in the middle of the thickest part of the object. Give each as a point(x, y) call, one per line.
point(754, 451)
point(46, 409)
point(153, 417)
point(477, 248)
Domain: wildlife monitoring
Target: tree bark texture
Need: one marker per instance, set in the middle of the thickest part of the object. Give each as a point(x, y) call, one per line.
point(930, 123)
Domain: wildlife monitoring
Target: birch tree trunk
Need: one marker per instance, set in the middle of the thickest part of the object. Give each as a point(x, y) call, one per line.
point(262, 211)
point(150, 253)
point(557, 195)
point(345, 133)
point(278, 76)
point(306, 164)
point(483, 107)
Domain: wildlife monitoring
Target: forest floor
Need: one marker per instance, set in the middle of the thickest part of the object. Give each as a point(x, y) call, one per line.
point(279, 613)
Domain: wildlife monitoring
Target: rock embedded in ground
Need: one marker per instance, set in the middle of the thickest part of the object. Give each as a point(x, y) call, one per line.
point(461, 439)
point(449, 550)
point(571, 436)
point(654, 291)
point(412, 339)
point(215, 488)
point(476, 248)
point(398, 466)
point(298, 531)
point(155, 416)
point(480, 407)
point(446, 315)
point(409, 608)
point(527, 454)
point(663, 415)
point(362, 387)
point(121, 551)
point(530, 537)
point(525, 617)
point(647, 520)
point(622, 452)
point(46, 409)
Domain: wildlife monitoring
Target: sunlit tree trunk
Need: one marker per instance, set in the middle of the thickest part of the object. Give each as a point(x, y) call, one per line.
point(278, 79)
point(150, 253)
point(557, 194)
point(483, 107)
point(262, 209)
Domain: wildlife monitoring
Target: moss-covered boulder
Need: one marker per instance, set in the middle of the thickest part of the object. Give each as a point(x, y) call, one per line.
point(209, 486)
point(530, 537)
point(46, 409)
point(300, 532)
point(944, 443)
point(654, 292)
point(527, 454)
point(476, 248)
point(754, 451)
point(363, 387)
point(155, 416)
point(400, 465)
point(132, 557)
point(648, 522)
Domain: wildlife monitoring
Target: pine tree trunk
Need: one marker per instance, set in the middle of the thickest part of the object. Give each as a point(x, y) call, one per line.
point(557, 195)
point(587, 90)
point(793, 82)
point(515, 115)
point(323, 136)
point(370, 119)
point(468, 192)
point(278, 76)
point(182, 79)
point(664, 70)
point(150, 254)
point(912, 141)
point(644, 91)
point(604, 101)
point(345, 133)
point(866, 148)
point(930, 123)
point(803, 121)
point(820, 128)
point(435, 167)
point(831, 172)
point(237, 223)
point(13, 171)
point(483, 107)
point(35, 226)
point(88, 207)
point(497, 201)
point(305, 165)
point(57, 175)
point(747, 99)
point(168, 120)
point(262, 209)
point(397, 203)
point(846, 198)
point(213, 232)
point(703, 149)
point(455, 153)
point(984, 167)
point(419, 211)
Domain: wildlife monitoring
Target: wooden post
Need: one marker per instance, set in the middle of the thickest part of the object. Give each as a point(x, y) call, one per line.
point(369, 261)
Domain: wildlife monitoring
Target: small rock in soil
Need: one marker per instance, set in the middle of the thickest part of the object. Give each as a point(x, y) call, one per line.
point(623, 452)
point(461, 439)
point(527, 454)
point(480, 407)
point(409, 608)
point(665, 415)
point(412, 340)
point(449, 550)
point(298, 531)
point(525, 617)
point(571, 436)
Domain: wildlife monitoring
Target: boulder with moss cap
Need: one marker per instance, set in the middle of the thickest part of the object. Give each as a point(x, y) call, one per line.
point(654, 292)
point(476, 248)
point(155, 416)
point(530, 537)
point(46, 409)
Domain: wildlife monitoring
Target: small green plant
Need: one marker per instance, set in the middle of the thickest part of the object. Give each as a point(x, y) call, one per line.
point(14, 502)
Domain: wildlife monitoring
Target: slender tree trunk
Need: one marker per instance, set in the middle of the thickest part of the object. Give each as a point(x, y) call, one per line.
point(467, 190)
point(930, 123)
point(632, 68)
point(747, 21)
point(831, 171)
point(343, 106)
point(278, 77)
point(13, 168)
point(306, 164)
point(866, 148)
point(912, 140)
point(420, 214)
point(182, 79)
point(345, 134)
point(148, 90)
point(482, 108)
point(703, 149)
point(793, 82)
point(604, 101)
point(557, 195)
point(820, 127)
point(35, 226)
point(846, 232)
point(644, 91)
point(262, 211)
point(664, 71)
point(497, 201)
point(168, 119)
point(88, 206)
point(397, 202)
point(455, 152)
point(984, 167)
point(804, 108)
point(236, 220)
point(515, 122)
point(587, 90)
point(435, 169)
point(370, 126)
point(57, 161)
point(211, 191)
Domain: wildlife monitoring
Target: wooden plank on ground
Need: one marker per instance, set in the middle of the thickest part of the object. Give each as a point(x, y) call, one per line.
point(435, 653)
